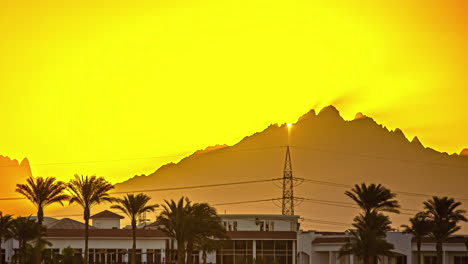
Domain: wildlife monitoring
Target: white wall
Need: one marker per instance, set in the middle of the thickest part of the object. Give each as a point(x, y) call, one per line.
point(101, 243)
point(402, 243)
point(248, 222)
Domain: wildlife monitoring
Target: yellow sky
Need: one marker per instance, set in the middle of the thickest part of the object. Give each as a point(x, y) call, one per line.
point(127, 80)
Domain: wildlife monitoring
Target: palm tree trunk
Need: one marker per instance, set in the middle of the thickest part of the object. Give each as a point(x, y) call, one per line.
point(40, 220)
point(418, 245)
point(1, 257)
point(133, 256)
point(189, 251)
point(23, 250)
point(86, 218)
point(180, 252)
point(204, 256)
point(40, 215)
point(439, 252)
point(368, 260)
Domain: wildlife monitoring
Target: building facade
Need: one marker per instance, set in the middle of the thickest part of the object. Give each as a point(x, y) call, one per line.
point(322, 248)
point(259, 239)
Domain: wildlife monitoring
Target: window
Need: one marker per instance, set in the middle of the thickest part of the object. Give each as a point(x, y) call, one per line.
point(430, 260)
point(230, 226)
point(461, 260)
point(153, 256)
point(401, 259)
point(267, 225)
point(294, 226)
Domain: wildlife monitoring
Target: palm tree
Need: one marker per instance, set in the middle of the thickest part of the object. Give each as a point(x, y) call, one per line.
point(374, 198)
point(367, 241)
point(6, 222)
point(442, 212)
point(206, 245)
point(134, 206)
point(187, 223)
point(69, 256)
point(173, 222)
point(203, 222)
point(24, 230)
point(43, 192)
point(419, 228)
point(88, 191)
point(36, 252)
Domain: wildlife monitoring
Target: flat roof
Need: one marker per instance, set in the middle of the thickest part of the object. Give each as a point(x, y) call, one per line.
point(288, 235)
point(105, 233)
point(263, 216)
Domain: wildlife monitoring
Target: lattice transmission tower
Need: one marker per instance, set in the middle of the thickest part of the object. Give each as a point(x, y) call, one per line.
point(288, 186)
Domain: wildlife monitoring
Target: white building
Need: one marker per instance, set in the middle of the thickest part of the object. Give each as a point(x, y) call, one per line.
point(107, 243)
point(265, 239)
point(323, 247)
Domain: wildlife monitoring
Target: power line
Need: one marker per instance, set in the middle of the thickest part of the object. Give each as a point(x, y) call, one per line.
point(252, 201)
point(375, 157)
point(174, 188)
point(336, 204)
point(325, 222)
point(189, 154)
point(199, 186)
point(12, 199)
point(341, 185)
point(96, 161)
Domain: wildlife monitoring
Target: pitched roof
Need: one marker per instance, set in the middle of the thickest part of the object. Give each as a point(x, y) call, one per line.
point(46, 220)
point(67, 223)
point(153, 225)
point(125, 233)
point(106, 214)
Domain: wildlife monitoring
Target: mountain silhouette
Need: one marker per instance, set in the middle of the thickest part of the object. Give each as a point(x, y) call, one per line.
point(11, 173)
point(330, 153)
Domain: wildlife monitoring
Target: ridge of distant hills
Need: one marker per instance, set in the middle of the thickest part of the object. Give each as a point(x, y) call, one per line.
point(328, 151)
point(324, 148)
point(12, 172)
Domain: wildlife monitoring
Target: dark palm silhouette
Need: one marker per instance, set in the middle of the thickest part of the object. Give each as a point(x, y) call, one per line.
point(25, 229)
point(43, 192)
point(206, 244)
point(69, 256)
point(88, 191)
point(419, 227)
point(134, 206)
point(203, 222)
point(374, 198)
point(187, 223)
point(173, 222)
point(37, 252)
point(367, 241)
point(6, 222)
point(444, 215)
